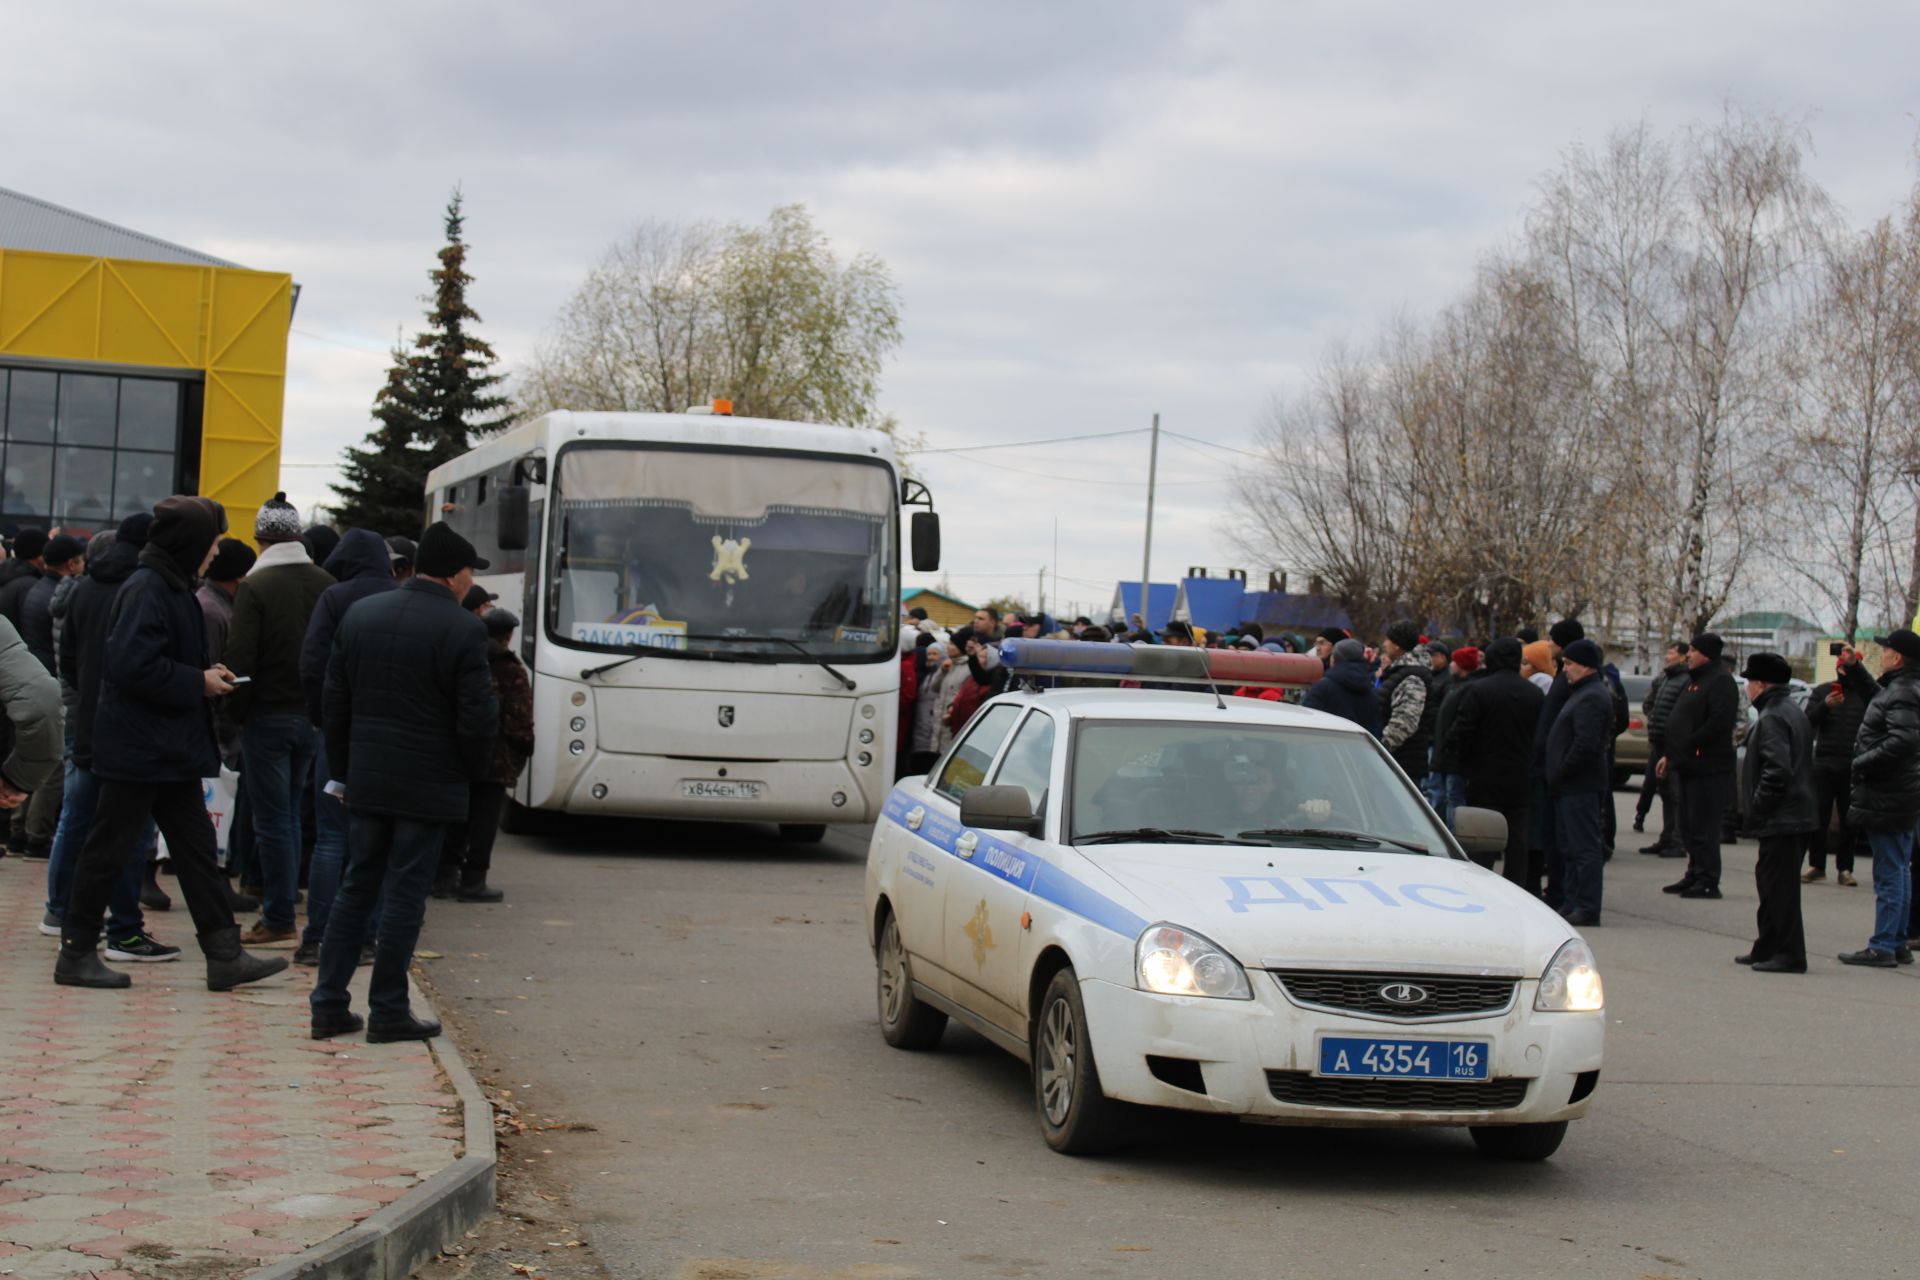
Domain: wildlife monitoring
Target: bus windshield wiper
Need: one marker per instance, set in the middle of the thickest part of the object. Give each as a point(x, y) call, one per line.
point(846, 681)
point(1159, 835)
point(1276, 834)
point(655, 652)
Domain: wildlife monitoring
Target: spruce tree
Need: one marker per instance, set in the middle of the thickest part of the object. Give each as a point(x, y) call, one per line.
point(437, 397)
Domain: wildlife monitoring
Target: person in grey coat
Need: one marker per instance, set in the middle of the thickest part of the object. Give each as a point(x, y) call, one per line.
point(1777, 777)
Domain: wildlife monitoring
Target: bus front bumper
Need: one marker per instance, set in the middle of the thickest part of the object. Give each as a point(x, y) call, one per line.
point(725, 790)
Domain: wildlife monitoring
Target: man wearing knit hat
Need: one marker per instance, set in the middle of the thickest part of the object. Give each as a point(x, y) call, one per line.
point(277, 739)
point(411, 724)
point(1323, 644)
point(1699, 752)
point(1405, 729)
point(63, 558)
point(1575, 763)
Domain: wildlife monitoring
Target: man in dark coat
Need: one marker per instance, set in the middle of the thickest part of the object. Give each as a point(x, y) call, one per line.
point(277, 739)
point(1886, 793)
point(1699, 752)
point(1490, 733)
point(1835, 712)
point(1542, 810)
point(1446, 781)
point(1578, 782)
point(153, 743)
point(1347, 689)
point(1777, 780)
point(21, 572)
point(1658, 705)
point(468, 853)
point(64, 557)
point(362, 563)
point(82, 653)
point(410, 725)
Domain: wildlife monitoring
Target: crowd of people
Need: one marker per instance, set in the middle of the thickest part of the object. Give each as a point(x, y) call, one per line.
point(1526, 726)
point(362, 692)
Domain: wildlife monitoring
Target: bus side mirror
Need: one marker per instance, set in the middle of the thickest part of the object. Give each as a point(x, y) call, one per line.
point(510, 530)
point(926, 542)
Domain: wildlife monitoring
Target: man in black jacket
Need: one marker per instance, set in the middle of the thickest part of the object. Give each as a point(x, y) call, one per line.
point(63, 558)
point(1834, 711)
point(1886, 793)
point(1658, 705)
point(82, 652)
point(1577, 779)
point(1699, 752)
point(1490, 735)
point(1347, 688)
point(152, 745)
point(410, 722)
point(1777, 780)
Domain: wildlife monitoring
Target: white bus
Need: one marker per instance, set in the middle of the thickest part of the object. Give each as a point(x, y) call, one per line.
point(709, 610)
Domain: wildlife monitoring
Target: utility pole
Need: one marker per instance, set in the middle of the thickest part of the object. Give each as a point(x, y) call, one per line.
point(1042, 611)
point(1146, 557)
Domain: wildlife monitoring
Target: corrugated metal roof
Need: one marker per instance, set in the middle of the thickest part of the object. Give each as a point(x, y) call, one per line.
point(27, 222)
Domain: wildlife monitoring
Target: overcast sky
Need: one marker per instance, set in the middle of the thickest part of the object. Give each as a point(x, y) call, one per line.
point(1093, 211)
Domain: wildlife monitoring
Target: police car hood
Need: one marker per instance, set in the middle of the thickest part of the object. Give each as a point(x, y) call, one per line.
point(1279, 907)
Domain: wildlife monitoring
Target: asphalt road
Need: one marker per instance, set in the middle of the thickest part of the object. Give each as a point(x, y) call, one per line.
point(703, 997)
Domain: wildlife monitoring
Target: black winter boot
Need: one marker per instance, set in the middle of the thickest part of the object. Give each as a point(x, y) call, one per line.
point(474, 888)
point(445, 884)
point(80, 965)
point(228, 966)
point(152, 896)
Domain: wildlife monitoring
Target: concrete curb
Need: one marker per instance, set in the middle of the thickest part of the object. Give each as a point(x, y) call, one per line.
point(391, 1243)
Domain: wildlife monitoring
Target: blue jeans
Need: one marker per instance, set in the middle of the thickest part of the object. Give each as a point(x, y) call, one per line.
point(1446, 792)
point(1892, 888)
point(277, 751)
point(331, 825)
point(124, 917)
point(1576, 830)
point(399, 855)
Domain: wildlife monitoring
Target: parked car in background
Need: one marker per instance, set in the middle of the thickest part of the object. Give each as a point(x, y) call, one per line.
point(1630, 749)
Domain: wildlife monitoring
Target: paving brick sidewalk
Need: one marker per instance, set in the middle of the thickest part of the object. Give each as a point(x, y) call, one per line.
point(169, 1131)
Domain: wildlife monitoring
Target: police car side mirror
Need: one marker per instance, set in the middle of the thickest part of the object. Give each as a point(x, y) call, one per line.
point(1482, 831)
point(510, 529)
point(926, 542)
point(998, 809)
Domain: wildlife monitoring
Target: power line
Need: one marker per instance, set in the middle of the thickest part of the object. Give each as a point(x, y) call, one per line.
point(1224, 448)
point(1027, 444)
point(1117, 484)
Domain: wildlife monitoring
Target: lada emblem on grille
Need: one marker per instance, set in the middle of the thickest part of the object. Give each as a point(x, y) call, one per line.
point(1403, 993)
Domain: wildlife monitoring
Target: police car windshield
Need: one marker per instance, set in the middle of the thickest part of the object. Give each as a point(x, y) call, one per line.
point(1244, 783)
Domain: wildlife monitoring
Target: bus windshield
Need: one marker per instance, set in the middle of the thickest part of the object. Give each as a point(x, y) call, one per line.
point(770, 557)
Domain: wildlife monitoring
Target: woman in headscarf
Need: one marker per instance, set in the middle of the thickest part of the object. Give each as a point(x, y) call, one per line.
point(153, 743)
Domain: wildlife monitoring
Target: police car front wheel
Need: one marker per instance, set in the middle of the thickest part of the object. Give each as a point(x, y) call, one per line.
point(1076, 1116)
point(905, 1023)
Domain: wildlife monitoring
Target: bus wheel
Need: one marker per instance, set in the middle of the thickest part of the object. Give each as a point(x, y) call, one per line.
point(803, 832)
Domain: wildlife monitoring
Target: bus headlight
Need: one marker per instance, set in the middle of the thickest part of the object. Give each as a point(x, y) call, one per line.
point(867, 711)
point(578, 724)
point(866, 735)
point(865, 758)
point(576, 748)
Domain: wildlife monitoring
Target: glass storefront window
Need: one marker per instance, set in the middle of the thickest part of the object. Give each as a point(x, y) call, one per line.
point(29, 478)
point(139, 481)
point(87, 405)
point(30, 397)
point(149, 414)
point(83, 485)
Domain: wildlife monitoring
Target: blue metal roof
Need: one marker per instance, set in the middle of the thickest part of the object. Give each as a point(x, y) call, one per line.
point(1160, 597)
point(1217, 604)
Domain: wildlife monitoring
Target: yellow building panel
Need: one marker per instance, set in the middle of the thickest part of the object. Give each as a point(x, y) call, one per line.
point(226, 322)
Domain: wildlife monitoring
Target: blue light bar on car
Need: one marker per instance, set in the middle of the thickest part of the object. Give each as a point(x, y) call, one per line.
point(1159, 663)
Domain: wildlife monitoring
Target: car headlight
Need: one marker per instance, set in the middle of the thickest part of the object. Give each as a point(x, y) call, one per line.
point(1571, 983)
point(1175, 962)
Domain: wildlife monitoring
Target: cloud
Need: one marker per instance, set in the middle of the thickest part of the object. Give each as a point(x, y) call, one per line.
point(1095, 211)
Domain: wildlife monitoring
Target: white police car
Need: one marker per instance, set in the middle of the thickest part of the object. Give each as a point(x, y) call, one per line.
point(1221, 905)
